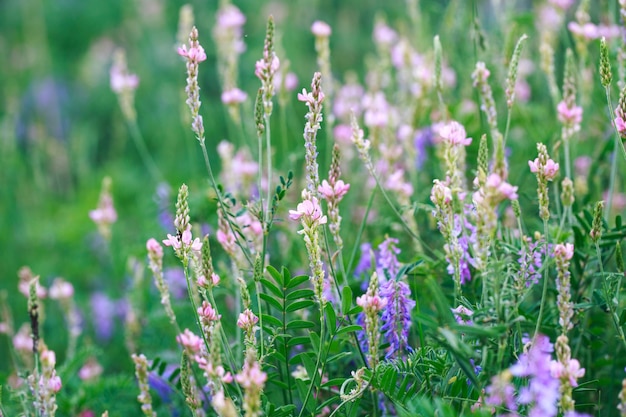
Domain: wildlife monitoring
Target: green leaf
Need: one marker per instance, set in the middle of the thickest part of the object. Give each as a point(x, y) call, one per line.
point(355, 310)
point(300, 324)
point(299, 305)
point(338, 356)
point(297, 341)
point(346, 299)
point(297, 280)
point(335, 382)
point(275, 274)
point(349, 329)
point(267, 319)
point(315, 341)
point(297, 294)
point(274, 302)
point(273, 288)
point(331, 318)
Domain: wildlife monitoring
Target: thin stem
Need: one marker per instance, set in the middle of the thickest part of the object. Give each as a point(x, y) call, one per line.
point(135, 133)
point(317, 363)
point(544, 293)
point(268, 151)
point(258, 300)
point(609, 299)
point(220, 200)
point(360, 232)
point(618, 144)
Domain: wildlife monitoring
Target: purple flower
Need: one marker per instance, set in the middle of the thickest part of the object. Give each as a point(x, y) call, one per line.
point(387, 260)
point(103, 314)
point(531, 260)
point(396, 318)
point(423, 139)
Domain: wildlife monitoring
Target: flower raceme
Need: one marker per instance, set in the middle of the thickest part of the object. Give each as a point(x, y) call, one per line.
point(310, 212)
point(549, 169)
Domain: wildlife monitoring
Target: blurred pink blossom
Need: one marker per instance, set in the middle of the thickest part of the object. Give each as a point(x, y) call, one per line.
point(194, 54)
point(321, 29)
point(234, 96)
point(230, 17)
point(61, 290)
point(454, 134)
point(567, 115)
point(371, 302)
point(190, 341)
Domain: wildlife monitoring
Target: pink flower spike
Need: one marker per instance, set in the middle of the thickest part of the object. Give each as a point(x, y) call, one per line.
point(534, 165)
point(620, 125)
point(321, 29)
point(189, 341)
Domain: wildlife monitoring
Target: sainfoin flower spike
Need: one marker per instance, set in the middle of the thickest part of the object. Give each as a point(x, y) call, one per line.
point(193, 54)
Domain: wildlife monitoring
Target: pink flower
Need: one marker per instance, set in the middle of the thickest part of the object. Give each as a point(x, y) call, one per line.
point(233, 96)
point(61, 290)
point(195, 245)
point(551, 169)
point(620, 124)
point(562, 4)
point(571, 371)
point(153, 247)
point(202, 281)
point(207, 313)
point(251, 376)
point(290, 83)
point(371, 303)
point(583, 163)
point(310, 210)
point(568, 115)
point(588, 31)
point(564, 251)
point(384, 35)
point(321, 29)
point(247, 319)
point(54, 384)
point(309, 98)
point(343, 133)
point(262, 68)
point(230, 17)
point(441, 194)
point(90, 370)
point(120, 81)
point(190, 341)
point(106, 215)
point(193, 54)
point(48, 358)
point(337, 192)
point(172, 241)
point(454, 134)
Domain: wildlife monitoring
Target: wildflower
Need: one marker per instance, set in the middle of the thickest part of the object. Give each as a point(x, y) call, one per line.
point(333, 191)
point(190, 341)
point(454, 134)
point(314, 117)
point(396, 318)
point(320, 29)
point(61, 290)
point(267, 67)
point(463, 315)
point(372, 304)
point(105, 215)
point(546, 170)
point(141, 371)
point(207, 313)
point(311, 217)
point(234, 96)
point(247, 320)
point(387, 260)
point(90, 371)
point(572, 116)
point(252, 379)
point(194, 54)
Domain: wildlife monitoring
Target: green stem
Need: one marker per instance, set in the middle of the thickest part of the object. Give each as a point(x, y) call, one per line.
point(360, 232)
point(258, 300)
point(618, 144)
point(220, 200)
point(609, 299)
point(544, 293)
point(152, 167)
point(317, 363)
